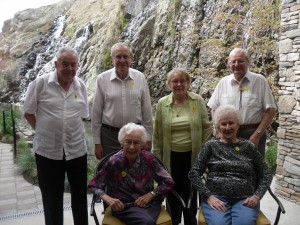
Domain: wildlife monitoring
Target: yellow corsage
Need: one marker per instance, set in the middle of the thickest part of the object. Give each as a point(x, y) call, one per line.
point(123, 174)
point(194, 108)
point(237, 148)
point(75, 96)
point(244, 88)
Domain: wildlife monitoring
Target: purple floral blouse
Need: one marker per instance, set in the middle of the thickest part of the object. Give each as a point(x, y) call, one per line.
point(127, 184)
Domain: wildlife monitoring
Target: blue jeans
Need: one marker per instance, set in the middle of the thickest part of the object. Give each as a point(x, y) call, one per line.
point(235, 214)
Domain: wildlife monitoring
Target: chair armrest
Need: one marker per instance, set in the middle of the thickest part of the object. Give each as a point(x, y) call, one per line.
point(93, 211)
point(179, 198)
point(280, 206)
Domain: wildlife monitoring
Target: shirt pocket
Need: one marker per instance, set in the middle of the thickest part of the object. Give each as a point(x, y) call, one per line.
point(135, 98)
point(251, 100)
point(227, 99)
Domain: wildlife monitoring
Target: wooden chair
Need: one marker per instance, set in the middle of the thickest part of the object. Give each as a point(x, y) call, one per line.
point(163, 219)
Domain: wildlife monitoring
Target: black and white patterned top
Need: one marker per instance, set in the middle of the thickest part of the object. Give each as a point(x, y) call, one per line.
point(234, 170)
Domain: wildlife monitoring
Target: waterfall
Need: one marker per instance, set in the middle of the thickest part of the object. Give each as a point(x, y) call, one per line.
point(44, 61)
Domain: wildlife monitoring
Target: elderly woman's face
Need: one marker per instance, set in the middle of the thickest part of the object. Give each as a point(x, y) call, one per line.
point(178, 84)
point(228, 128)
point(132, 145)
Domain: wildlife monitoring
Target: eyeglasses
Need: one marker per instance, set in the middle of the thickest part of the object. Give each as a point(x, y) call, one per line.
point(178, 81)
point(119, 57)
point(238, 62)
point(134, 142)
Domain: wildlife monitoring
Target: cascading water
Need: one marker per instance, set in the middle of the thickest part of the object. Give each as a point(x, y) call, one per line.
point(44, 61)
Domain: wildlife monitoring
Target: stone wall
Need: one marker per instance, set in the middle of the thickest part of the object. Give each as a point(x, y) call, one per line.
point(288, 159)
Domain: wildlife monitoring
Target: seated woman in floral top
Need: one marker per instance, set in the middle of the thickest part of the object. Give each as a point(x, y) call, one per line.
point(130, 175)
point(237, 175)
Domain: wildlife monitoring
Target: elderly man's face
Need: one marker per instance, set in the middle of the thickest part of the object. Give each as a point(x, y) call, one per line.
point(66, 67)
point(132, 145)
point(238, 64)
point(122, 60)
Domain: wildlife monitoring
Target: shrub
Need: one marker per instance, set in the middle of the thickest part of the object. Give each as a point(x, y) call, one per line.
point(271, 154)
point(26, 161)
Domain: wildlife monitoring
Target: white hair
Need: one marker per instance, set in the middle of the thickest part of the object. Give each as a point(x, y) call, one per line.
point(131, 127)
point(226, 110)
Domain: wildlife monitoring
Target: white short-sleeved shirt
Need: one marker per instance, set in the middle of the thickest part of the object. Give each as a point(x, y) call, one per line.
point(118, 102)
point(59, 127)
point(252, 96)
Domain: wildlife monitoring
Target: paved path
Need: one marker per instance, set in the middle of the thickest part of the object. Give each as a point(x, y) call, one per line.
point(18, 198)
point(21, 202)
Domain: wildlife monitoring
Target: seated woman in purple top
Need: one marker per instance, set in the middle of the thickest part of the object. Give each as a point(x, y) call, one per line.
point(130, 175)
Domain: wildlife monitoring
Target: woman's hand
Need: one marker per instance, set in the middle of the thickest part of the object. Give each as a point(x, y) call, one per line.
point(115, 204)
point(144, 200)
point(216, 203)
point(252, 201)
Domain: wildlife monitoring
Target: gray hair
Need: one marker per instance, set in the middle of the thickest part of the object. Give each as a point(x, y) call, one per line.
point(131, 127)
point(66, 49)
point(226, 110)
point(181, 72)
point(240, 50)
point(123, 44)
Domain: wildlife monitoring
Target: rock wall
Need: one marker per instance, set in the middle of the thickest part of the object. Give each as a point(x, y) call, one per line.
point(288, 159)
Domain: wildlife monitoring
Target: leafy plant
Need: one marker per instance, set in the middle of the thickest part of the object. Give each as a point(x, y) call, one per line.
point(271, 154)
point(26, 161)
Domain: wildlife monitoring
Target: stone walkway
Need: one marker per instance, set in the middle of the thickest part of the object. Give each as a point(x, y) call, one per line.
point(17, 196)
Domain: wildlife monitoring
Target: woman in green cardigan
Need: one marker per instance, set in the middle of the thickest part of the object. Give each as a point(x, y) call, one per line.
point(181, 126)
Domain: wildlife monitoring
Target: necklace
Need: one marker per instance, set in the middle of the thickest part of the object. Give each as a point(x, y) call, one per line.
point(178, 109)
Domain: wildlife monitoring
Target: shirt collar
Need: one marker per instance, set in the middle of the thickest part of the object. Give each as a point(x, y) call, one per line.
point(244, 79)
point(115, 76)
point(53, 79)
point(169, 101)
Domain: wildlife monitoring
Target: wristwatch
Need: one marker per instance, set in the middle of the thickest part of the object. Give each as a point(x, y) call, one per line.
point(152, 193)
point(259, 132)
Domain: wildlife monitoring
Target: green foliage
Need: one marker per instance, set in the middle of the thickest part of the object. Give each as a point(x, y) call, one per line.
point(26, 160)
point(271, 154)
point(6, 133)
point(122, 22)
point(106, 60)
point(70, 31)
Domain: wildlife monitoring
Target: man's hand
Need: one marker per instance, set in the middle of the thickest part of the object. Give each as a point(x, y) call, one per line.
point(255, 138)
point(98, 151)
point(31, 119)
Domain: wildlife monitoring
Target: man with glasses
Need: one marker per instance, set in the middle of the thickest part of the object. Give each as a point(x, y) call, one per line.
point(121, 96)
point(251, 94)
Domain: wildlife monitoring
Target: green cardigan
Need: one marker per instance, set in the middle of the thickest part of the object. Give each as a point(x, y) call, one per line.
point(199, 122)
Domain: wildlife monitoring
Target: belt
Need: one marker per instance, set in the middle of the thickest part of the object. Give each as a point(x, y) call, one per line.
point(111, 127)
point(249, 126)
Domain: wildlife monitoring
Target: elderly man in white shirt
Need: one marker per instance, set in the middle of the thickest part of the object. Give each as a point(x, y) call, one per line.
point(54, 106)
point(121, 96)
point(251, 94)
